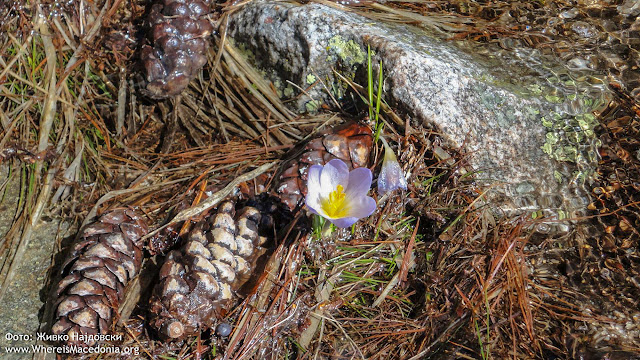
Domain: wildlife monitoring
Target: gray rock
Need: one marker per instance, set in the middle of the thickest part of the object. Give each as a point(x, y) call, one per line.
point(630, 8)
point(24, 299)
point(526, 123)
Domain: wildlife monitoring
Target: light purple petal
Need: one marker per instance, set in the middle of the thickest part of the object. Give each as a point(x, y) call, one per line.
point(391, 177)
point(344, 222)
point(313, 211)
point(359, 183)
point(362, 207)
point(313, 177)
point(313, 189)
point(334, 173)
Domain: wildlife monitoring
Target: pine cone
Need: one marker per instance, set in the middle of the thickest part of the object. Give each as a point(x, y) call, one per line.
point(277, 218)
point(248, 193)
point(179, 34)
point(351, 143)
point(198, 281)
point(106, 257)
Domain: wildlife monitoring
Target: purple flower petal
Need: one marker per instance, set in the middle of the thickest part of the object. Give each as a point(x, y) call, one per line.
point(313, 177)
point(344, 222)
point(313, 190)
point(359, 183)
point(334, 173)
point(362, 207)
point(314, 211)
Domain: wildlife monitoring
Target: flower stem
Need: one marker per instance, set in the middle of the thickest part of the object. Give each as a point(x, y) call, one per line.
point(327, 229)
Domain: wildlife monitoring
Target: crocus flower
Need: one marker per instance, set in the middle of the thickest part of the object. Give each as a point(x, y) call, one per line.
point(339, 195)
point(391, 176)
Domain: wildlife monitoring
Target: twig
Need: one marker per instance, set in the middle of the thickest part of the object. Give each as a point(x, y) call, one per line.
point(383, 295)
point(122, 101)
point(426, 351)
point(97, 24)
point(50, 102)
point(214, 199)
point(406, 262)
point(111, 194)
point(333, 320)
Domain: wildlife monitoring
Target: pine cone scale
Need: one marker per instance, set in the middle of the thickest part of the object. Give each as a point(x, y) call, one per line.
point(117, 269)
point(222, 253)
point(313, 157)
point(65, 282)
point(225, 271)
point(85, 287)
point(87, 263)
point(97, 304)
point(84, 317)
point(70, 304)
point(225, 238)
point(201, 264)
point(102, 250)
point(359, 149)
point(336, 145)
point(102, 276)
point(98, 229)
point(173, 285)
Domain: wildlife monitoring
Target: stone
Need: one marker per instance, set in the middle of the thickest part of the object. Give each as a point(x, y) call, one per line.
point(630, 8)
point(526, 123)
point(22, 305)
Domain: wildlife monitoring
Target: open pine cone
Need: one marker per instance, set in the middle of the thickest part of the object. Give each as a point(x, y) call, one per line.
point(199, 280)
point(351, 143)
point(106, 256)
point(179, 32)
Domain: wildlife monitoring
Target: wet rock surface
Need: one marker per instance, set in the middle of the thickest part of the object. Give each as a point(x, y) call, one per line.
point(528, 130)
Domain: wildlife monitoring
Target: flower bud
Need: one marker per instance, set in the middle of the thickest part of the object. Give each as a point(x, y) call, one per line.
point(391, 176)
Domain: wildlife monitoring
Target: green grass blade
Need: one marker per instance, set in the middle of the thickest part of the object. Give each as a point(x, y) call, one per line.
point(370, 81)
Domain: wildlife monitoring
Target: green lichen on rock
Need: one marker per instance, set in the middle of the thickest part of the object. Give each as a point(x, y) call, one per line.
point(311, 79)
point(313, 106)
point(338, 89)
point(244, 50)
point(553, 99)
point(348, 55)
point(288, 91)
point(558, 176)
point(277, 84)
point(562, 214)
point(349, 52)
point(547, 123)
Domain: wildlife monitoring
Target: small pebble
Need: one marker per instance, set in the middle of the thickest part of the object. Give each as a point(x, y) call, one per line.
point(223, 330)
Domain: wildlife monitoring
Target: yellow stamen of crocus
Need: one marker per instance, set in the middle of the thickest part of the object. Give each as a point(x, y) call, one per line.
point(335, 205)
